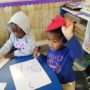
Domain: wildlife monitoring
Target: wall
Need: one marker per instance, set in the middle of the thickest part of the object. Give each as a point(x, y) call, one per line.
point(39, 17)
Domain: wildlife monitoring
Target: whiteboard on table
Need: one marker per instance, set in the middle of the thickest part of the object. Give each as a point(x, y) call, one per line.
point(29, 75)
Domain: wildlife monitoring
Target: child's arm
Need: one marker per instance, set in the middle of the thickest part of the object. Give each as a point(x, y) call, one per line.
point(9, 55)
point(28, 49)
point(36, 52)
point(75, 48)
point(72, 43)
point(7, 47)
point(38, 55)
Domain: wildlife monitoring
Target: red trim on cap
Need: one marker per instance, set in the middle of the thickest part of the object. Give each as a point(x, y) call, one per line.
point(56, 22)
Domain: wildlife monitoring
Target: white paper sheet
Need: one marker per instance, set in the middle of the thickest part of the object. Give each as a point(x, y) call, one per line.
point(3, 61)
point(29, 75)
point(2, 86)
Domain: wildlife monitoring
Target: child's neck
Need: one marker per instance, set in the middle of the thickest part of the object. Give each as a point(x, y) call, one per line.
point(61, 47)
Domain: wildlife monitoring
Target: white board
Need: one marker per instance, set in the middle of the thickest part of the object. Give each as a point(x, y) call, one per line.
point(29, 75)
point(2, 86)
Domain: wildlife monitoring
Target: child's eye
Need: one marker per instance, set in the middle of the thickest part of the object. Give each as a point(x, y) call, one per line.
point(48, 39)
point(55, 41)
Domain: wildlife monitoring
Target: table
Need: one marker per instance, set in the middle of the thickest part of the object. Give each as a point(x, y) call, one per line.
point(5, 74)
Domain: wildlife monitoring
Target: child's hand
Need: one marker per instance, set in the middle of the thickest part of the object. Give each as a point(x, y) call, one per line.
point(36, 52)
point(68, 31)
point(9, 56)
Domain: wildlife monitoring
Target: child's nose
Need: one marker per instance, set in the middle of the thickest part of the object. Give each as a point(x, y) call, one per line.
point(50, 44)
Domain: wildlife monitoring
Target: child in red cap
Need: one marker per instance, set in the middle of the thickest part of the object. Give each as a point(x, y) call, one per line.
point(61, 54)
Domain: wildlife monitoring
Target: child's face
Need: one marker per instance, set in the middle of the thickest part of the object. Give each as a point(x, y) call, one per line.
point(17, 31)
point(54, 42)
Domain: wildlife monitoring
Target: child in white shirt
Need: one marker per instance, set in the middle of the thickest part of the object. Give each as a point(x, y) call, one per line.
point(20, 37)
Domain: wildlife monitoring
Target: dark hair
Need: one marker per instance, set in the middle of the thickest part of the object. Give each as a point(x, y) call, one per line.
point(58, 33)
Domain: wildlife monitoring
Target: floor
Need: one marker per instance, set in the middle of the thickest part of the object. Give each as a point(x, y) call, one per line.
point(81, 82)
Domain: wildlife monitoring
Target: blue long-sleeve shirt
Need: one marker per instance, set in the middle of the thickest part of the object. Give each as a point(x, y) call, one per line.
point(61, 61)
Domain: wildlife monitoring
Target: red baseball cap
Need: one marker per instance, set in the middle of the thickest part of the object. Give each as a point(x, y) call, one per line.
point(56, 22)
